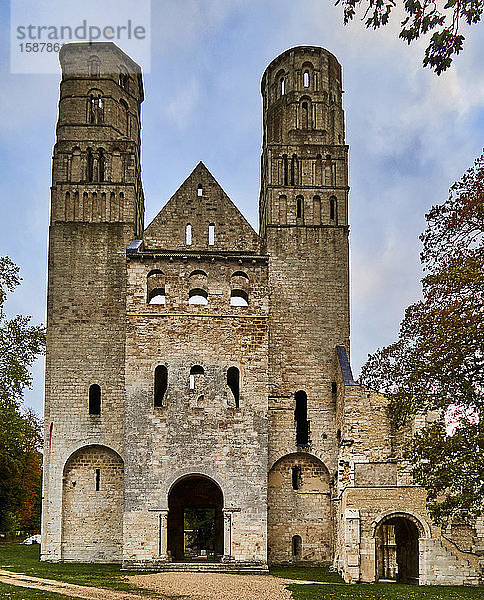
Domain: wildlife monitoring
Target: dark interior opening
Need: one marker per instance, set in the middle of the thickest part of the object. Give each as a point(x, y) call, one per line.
point(296, 477)
point(161, 384)
point(94, 399)
point(398, 551)
point(233, 381)
point(301, 417)
point(195, 520)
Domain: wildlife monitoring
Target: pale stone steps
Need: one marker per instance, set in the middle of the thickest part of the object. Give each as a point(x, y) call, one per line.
point(196, 567)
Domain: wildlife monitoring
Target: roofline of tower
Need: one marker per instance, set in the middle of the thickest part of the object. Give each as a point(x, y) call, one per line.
point(279, 57)
point(107, 45)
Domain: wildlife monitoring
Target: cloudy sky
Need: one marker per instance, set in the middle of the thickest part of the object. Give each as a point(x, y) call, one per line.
point(411, 135)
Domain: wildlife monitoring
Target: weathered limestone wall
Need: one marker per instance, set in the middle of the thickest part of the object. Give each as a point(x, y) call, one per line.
point(92, 504)
point(97, 208)
point(199, 202)
point(85, 346)
point(303, 217)
point(364, 509)
point(286, 505)
point(197, 431)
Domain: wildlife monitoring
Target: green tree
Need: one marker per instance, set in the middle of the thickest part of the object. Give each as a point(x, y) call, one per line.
point(423, 17)
point(437, 363)
point(20, 430)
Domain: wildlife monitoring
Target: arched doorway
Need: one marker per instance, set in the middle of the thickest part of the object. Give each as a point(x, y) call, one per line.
point(195, 520)
point(397, 550)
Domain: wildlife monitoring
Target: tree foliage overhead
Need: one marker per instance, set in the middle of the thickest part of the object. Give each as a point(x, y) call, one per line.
point(443, 18)
point(20, 430)
point(437, 363)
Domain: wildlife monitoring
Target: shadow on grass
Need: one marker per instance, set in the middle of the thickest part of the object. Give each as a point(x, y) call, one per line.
point(335, 589)
point(383, 591)
point(10, 592)
point(307, 574)
point(25, 559)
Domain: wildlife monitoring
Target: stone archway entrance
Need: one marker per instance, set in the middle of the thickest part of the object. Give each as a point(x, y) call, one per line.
point(195, 520)
point(397, 550)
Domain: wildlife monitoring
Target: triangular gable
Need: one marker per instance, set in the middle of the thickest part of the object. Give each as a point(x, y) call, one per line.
point(209, 209)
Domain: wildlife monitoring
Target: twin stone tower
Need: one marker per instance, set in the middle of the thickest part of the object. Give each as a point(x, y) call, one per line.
point(199, 405)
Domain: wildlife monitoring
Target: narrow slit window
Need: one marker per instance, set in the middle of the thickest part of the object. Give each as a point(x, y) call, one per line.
point(305, 115)
point(98, 479)
point(296, 477)
point(188, 235)
point(332, 208)
point(123, 79)
point(301, 418)
point(283, 86)
point(306, 79)
point(102, 164)
point(233, 382)
point(318, 170)
point(294, 170)
point(161, 384)
point(299, 207)
point(199, 191)
point(94, 399)
point(284, 170)
point(296, 546)
point(90, 165)
point(211, 234)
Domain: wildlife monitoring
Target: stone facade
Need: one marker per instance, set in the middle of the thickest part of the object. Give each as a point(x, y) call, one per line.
point(198, 372)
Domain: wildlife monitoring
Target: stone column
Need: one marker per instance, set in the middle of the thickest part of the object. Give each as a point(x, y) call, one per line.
point(163, 535)
point(352, 545)
point(227, 535)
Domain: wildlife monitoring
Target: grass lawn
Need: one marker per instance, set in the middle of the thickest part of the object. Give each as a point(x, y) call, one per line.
point(25, 559)
point(11, 592)
point(307, 574)
point(335, 589)
point(384, 591)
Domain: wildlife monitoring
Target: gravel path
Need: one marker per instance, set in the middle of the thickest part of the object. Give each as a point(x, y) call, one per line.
point(215, 586)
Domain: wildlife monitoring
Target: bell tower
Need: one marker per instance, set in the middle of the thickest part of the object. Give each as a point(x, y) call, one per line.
point(304, 156)
point(97, 209)
point(304, 225)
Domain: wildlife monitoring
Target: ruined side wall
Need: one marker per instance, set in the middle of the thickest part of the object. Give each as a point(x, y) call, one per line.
point(374, 484)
